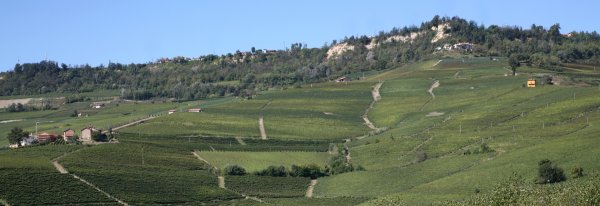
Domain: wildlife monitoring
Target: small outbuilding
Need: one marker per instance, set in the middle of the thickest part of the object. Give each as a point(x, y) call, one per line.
point(171, 111)
point(531, 83)
point(195, 110)
point(86, 133)
point(342, 79)
point(68, 134)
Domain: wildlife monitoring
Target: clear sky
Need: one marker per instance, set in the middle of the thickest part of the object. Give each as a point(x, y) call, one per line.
point(126, 31)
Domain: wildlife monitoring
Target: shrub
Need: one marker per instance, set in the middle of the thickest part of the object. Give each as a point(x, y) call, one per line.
point(420, 156)
point(338, 165)
point(312, 170)
point(549, 173)
point(484, 148)
point(273, 171)
point(235, 170)
point(98, 136)
point(577, 172)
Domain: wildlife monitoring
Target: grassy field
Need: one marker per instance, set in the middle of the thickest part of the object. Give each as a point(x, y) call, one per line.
point(275, 187)
point(430, 151)
point(322, 112)
point(255, 161)
point(475, 104)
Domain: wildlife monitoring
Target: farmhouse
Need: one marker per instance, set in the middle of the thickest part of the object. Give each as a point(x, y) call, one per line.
point(46, 137)
point(171, 111)
point(68, 134)
point(86, 133)
point(195, 110)
point(342, 79)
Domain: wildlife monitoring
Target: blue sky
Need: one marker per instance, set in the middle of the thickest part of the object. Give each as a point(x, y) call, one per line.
point(99, 31)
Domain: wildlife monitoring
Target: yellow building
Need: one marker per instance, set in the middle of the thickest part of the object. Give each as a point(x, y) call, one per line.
point(531, 83)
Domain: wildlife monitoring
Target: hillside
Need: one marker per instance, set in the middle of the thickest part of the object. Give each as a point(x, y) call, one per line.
point(244, 73)
point(411, 125)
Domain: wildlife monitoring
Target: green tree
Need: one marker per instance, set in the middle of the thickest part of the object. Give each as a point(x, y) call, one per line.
point(98, 136)
point(312, 170)
point(554, 33)
point(513, 62)
point(273, 171)
point(235, 170)
point(549, 173)
point(15, 135)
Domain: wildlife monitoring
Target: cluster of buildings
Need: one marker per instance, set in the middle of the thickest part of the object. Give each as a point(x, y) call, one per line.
point(465, 46)
point(85, 135)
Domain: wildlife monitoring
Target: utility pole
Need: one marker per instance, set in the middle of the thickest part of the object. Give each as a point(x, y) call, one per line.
point(36, 128)
point(142, 155)
point(587, 120)
point(460, 128)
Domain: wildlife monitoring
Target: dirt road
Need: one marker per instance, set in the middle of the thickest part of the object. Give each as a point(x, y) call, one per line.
point(311, 187)
point(261, 127)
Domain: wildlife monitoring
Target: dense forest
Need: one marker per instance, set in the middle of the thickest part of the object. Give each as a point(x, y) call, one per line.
point(245, 73)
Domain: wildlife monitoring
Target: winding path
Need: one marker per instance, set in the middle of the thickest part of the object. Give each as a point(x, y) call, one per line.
point(221, 181)
point(435, 84)
point(195, 153)
point(63, 170)
point(261, 127)
point(99, 190)
point(376, 97)
point(311, 187)
point(133, 123)
point(59, 167)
